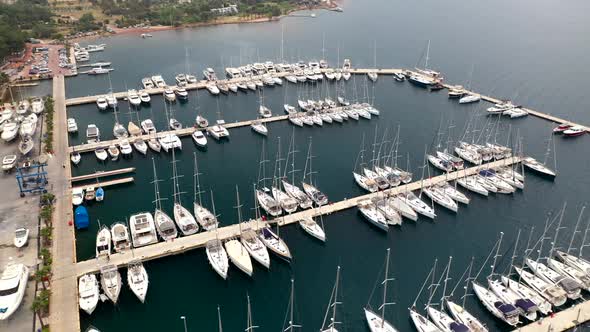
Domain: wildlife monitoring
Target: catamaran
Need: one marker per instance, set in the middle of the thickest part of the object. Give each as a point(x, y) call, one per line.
point(143, 230)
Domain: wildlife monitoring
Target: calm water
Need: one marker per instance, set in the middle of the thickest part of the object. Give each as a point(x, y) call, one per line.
point(512, 57)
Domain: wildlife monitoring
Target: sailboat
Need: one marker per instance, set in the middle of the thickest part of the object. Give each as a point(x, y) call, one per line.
point(217, 255)
point(288, 203)
point(206, 219)
point(256, 248)
point(292, 190)
point(183, 218)
point(249, 325)
point(291, 322)
point(440, 318)
point(420, 322)
point(331, 326)
point(377, 322)
point(264, 199)
point(310, 189)
point(273, 242)
point(164, 224)
point(237, 253)
point(542, 168)
point(312, 228)
point(373, 73)
point(137, 278)
point(119, 130)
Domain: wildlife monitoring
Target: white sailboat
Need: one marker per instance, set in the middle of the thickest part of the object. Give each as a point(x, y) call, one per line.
point(204, 217)
point(377, 322)
point(217, 256)
point(292, 190)
point(183, 218)
point(264, 199)
point(272, 240)
point(164, 224)
point(238, 255)
point(373, 215)
point(332, 306)
point(288, 203)
point(137, 278)
point(312, 228)
point(318, 197)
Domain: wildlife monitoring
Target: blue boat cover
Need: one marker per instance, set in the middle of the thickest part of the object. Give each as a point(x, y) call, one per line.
point(487, 172)
point(458, 327)
point(506, 308)
point(266, 233)
point(81, 219)
point(100, 192)
point(526, 305)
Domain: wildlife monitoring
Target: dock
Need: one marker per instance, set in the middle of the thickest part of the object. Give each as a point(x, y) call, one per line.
point(186, 243)
point(89, 147)
point(560, 321)
point(107, 183)
point(100, 174)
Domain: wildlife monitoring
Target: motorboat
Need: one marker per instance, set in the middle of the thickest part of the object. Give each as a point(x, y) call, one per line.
point(88, 293)
point(140, 145)
point(133, 98)
point(273, 242)
point(264, 111)
point(137, 279)
point(469, 98)
point(561, 128)
point(111, 100)
point(125, 147)
point(516, 112)
point(199, 138)
point(21, 237)
point(255, 247)
point(502, 310)
point(120, 236)
point(37, 105)
point(570, 132)
point(217, 257)
point(418, 205)
point(26, 145)
point(373, 215)
point(569, 285)
point(81, 218)
point(102, 103)
point(185, 221)
point(169, 95)
point(268, 203)
point(209, 74)
point(181, 93)
point(77, 196)
point(119, 131)
point(154, 145)
point(147, 83)
point(113, 151)
point(110, 281)
point(158, 81)
point(239, 256)
point(169, 142)
point(148, 126)
point(456, 93)
point(144, 97)
point(218, 130)
point(142, 229)
point(421, 80)
point(72, 125)
point(312, 228)
point(440, 198)
point(259, 127)
point(10, 131)
point(90, 193)
point(103, 242)
point(28, 125)
point(201, 121)
point(181, 79)
point(212, 88)
point(99, 196)
point(551, 292)
point(164, 225)
point(538, 167)
point(23, 107)
point(8, 162)
point(233, 87)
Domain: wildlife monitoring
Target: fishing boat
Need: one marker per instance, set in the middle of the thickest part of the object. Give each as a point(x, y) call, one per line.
point(110, 281)
point(120, 236)
point(183, 218)
point(377, 322)
point(164, 224)
point(88, 293)
point(137, 279)
point(21, 236)
point(373, 215)
point(103, 242)
point(143, 230)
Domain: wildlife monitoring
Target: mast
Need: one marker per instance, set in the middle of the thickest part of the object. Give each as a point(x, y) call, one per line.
point(467, 283)
point(175, 180)
point(291, 325)
point(496, 255)
point(569, 247)
point(239, 208)
point(308, 161)
point(219, 319)
point(554, 243)
point(385, 289)
point(514, 253)
point(442, 299)
point(197, 184)
point(584, 238)
point(527, 251)
point(156, 188)
point(373, 152)
point(427, 55)
point(276, 182)
point(250, 327)
point(333, 320)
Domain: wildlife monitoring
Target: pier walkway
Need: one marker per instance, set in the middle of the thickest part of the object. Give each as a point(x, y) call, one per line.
point(105, 184)
point(183, 244)
point(100, 174)
point(561, 321)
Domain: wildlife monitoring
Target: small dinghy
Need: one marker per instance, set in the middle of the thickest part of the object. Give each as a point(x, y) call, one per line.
point(21, 236)
point(99, 194)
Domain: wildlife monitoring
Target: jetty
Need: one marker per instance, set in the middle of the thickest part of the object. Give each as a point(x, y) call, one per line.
point(101, 174)
point(560, 321)
point(185, 243)
point(107, 183)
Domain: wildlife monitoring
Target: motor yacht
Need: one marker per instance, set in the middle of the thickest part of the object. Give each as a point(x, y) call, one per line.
point(137, 279)
point(88, 293)
point(120, 236)
point(142, 228)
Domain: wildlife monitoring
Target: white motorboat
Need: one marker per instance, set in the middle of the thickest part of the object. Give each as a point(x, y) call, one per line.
point(218, 130)
point(125, 147)
point(37, 106)
point(312, 228)
point(110, 281)
point(21, 236)
point(88, 293)
point(181, 93)
point(72, 125)
point(264, 111)
point(239, 256)
point(259, 127)
point(199, 138)
point(144, 97)
point(137, 279)
point(28, 125)
point(538, 167)
point(147, 83)
point(255, 247)
point(440, 198)
point(212, 88)
point(217, 257)
point(101, 154)
point(469, 98)
point(133, 97)
point(148, 127)
point(551, 292)
point(140, 145)
point(470, 183)
point(364, 182)
point(89, 193)
point(201, 121)
point(518, 112)
point(418, 205)
point(26, 145)
point(103, 242)
point(373, 215)
point(169, 94)
point(143, 231)
point(154, 145)
point(8, 162)
point(569, 285)
point(77, 196)
point(525, 306)
point(524, 291)
point(113, 151)
point(273, 242)
point(399, 203)
point(102, 103)
point(10, 131)
point(169, 142)
point(502, 310)
point(120, 236)
point(158, 81)
point(111, 100)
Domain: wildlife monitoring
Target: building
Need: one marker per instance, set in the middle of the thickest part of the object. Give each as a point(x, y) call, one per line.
point(229, 10)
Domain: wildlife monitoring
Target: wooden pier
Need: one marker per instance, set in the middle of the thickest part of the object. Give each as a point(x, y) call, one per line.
point(560, 321)
point(183, 244)
point(89, 147)
point(107, 183)
point(101, 174)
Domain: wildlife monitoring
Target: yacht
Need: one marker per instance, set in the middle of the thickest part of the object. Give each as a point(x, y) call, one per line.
point(101, 154)
point(366, 183)
point(181, 93)
point(470, 183)
point(101, 103)
point(113, 151)
point(569, 285)
point(304, 201)
point(268, 203)
point(218, 130)
point(185, 221)
point(273, 242)
point(181, 79)
point(13, 283)
point(140, 145)
point(158, 81)
point(551, 292)
point(77, 196)
point(133, 129)
point(452, 192)
point(133, 97)
point(143, 231)
point(316, 196)
point(399, 204)
point(239, 256)
point(21, 237)
point(119, 131)
point(297, 120)
point(110, 281)
point(217, 257)
point(312, 228)
point(201, 121)
point(574, 131)
point(490, 176)
point(120, 237)
point(524, 291)
point(137, 279)
point(518, 112)
point(373, 215)
point(259, 127)
point(174, 124)
point(440, 198)
point(125, 147)
point(418, 205)
point(538, 167)
point(464, 317)
point(37, 105)
point(88, 293)
point(439, 163)
point(502, 310)
point(377, 322)
point(111, 100)
point(10, 131)
point(209, 74)
point(147, 83)
point(525, 306)
point(199, 138)
point(288, 203)
point(103, 242)
point(144, 97)
point(573, 261)
point(72, 125)
point(264, 111)
point(169, 142)
point(28, 125)
point(421, 80)
point(469, 98)
point(154, 145)
point(255, 247)
point(213, 89)
point(169, 94)
point(148, 126)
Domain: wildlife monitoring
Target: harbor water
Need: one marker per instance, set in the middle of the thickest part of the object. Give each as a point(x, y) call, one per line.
point(508, 59)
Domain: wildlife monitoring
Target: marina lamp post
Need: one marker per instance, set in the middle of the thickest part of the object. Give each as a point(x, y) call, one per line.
point(184, 321)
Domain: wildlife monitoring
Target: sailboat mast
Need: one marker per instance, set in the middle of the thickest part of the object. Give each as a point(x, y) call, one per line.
point(197, 184)
point(291, 306)
point(156, 189)
point(239, 208)
point(514, 253)
point(427, 55)
point(219, 319)
point(467, 282)
point(526, 251)
point(554, 243)
point(442, 299)
point(385, 288)
point(497, 254)
point(335, 298)
point(584, 239)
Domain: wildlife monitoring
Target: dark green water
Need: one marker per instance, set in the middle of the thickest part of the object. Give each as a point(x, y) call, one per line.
point(186, 285)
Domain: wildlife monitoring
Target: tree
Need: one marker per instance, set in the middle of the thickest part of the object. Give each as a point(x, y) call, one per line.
point(40, 304)
point(4, 78)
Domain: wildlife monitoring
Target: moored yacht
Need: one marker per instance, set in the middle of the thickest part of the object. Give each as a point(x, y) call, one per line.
point(137, 279)
point(143, 231)
point(110, 280)
point(239, 256)
point(88, 293)
point(120, 237)
point(373, 215)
